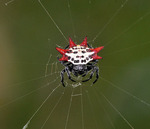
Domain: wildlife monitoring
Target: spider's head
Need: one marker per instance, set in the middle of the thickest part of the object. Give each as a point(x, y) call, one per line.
point(79, 54)
point(79, 69)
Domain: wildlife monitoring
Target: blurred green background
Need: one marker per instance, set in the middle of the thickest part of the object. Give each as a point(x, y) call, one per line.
point(119, 100)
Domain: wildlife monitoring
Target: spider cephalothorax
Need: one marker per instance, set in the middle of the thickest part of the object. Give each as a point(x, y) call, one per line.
point(79, 60)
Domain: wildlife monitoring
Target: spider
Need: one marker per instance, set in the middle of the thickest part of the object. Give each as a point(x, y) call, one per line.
point(79, 60)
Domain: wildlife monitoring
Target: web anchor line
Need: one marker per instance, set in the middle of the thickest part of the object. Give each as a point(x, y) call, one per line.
point(109, 21)
point(126, 92)
point(91, 108)
point(69, 109)
point(131, 47)
point(27, 124)
point(117, 111)
point(73, 28)
point(27, 94)
point(107, 115)
point(9, 2)
point(81, 92)
point(30, 80)
point(52, 20)
point(53, 109)
point(129, 27)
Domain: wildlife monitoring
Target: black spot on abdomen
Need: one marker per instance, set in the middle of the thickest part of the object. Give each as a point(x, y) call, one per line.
point(82, 61)
point(69, 57)
point(75, 52)
point(76, 61)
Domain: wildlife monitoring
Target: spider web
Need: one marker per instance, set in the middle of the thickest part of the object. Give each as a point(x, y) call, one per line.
point(31, 92)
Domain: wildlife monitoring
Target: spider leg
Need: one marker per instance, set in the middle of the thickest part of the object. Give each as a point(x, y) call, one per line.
point(97, 74)
point(95, 69)
point(69, 75)
point(89, 45)
point(66, 46)
point(58, 58)
point(91, 75)
point(85, 74)
point(62, 77)
point(93, 62)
